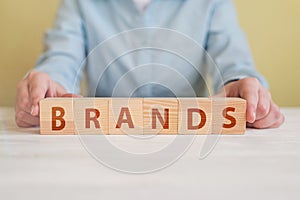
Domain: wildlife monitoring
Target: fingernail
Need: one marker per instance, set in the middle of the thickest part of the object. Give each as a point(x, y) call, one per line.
point(32, 110)
point(254, 115)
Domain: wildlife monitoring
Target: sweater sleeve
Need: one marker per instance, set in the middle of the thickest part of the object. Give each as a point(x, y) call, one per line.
point(228, 47)
point(65, 47)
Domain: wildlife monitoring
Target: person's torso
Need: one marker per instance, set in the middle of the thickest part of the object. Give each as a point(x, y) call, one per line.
point(158, 52)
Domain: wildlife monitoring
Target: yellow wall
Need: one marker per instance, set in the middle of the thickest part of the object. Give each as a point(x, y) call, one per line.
point(272, 26)
point(273, 30)
point(21, 35)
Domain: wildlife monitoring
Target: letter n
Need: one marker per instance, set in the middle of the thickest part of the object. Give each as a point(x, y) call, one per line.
point(163, 122)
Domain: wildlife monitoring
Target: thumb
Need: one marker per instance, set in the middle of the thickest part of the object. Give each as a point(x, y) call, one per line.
point(38, 87)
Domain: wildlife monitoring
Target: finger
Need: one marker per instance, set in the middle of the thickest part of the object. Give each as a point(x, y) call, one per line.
point(272, 118)
point(51, 90)
point(278, 123)
point(22, 104)
point(38, 88)
point(22, 99)
point(25, 119)
point(22, 124)
point(34, 121)
point(264, 104)
point(250, 94)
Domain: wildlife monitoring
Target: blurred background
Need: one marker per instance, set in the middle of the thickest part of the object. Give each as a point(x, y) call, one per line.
point(272, 27)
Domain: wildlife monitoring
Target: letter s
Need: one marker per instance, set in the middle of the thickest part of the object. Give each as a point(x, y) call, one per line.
point(229, 117)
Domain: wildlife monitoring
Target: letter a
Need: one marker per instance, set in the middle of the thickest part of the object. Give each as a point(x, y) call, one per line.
point(128, 119)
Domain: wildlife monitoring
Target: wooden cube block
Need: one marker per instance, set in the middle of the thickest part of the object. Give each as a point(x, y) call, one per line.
point(160, 116)
point(56, 116)
point(142, 116)
point(229, 116)
point(126, 116)
point(91, 116)
point(194, 116)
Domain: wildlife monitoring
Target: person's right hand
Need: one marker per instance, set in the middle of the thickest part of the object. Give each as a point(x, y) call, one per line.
point(34, 87)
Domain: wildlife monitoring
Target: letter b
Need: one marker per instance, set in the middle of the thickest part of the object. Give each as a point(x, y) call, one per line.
point(59, 118)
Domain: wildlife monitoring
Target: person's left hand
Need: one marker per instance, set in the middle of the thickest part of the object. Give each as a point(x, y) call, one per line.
point(262, 112)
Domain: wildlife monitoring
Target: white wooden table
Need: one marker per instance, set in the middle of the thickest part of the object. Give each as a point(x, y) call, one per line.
point(263, 164)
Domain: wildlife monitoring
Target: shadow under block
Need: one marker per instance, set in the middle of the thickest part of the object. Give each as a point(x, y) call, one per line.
point(126, 116)
point(59, 116)
point(56, 116)
point(194, 116)
point(91, 116)
point(160, 116)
